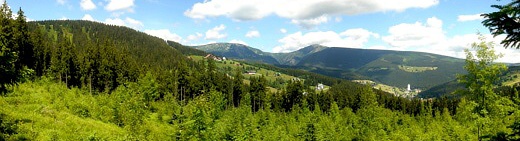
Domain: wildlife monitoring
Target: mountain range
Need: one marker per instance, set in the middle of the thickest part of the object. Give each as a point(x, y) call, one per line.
point(395, 68)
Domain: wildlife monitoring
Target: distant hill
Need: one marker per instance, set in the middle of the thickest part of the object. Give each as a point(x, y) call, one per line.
point(238, 51)
point(395, 68)
point(293, 58)
point(508, 78)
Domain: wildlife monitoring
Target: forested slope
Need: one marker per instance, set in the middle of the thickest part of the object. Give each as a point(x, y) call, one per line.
point(80, 80)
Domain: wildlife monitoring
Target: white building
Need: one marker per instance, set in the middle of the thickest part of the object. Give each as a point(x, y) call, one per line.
point(320, 86)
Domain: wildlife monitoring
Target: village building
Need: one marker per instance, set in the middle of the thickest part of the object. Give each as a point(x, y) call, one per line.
point(320, 87)
point(211, 56)
point(251, 72)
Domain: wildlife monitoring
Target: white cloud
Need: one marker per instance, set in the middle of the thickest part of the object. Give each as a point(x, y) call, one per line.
point(430, 37)
point(115, 21)
point(298, 10)
point(194, 37)
point(87, 5)
point(64, 18)
point(455, 47)
point(61, 2)
point(252, 34)
point(311, 23)
point(88, 17)
point(214, 33)
point(417, 34)
point(352, 38)
point(164, 34)
point(464, 18)
point(114, 5)
point(133, 23)
point(283, 30)
point(129, 22)
point(238, 42)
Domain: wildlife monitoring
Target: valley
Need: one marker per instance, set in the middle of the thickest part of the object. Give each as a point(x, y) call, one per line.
point(391, 68)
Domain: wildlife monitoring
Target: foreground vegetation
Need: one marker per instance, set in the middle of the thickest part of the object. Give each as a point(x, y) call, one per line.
point(79, 80)
point(47, 110)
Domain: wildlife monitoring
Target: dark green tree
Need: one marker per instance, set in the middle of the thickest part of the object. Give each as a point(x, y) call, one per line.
point(257, 89)
point(294, 94)
point(238, 87)
point(9, 55)
point(25, 46)
point(505, 21)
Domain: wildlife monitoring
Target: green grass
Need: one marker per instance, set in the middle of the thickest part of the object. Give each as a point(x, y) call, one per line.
point(46, 110)
point(511, 78)
point(415, 69)
point(269, 75)
point(386, 88)
point(50, 112)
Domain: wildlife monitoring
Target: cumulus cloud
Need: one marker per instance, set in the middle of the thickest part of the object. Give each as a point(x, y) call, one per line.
point(238, 42)
point(115, 21)
point(298, 10)
point(311, 23)
point(252, 34)
point(430, 37)
point(88, 17)
point(164, 34)
point(464, 18)
point(129, 22)
point(114, 5)
point(415, 34)
point(214, 33)
point(352, 38)
point(133, 22)
point(283, 30)
point(194, 37)
point(87, 5)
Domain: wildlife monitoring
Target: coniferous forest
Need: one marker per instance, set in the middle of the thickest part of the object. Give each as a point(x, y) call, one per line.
point(83, 80)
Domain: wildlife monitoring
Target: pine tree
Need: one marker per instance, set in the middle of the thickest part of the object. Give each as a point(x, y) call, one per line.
point(238, 87)
point(25, 48)
point(8, 52)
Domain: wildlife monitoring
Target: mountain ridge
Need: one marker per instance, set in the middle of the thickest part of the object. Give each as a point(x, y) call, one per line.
point(395, 68)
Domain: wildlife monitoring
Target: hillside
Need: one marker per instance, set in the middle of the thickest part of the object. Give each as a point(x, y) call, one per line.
point(148, 49)
point(510, 78)
point(238, 51)
point(186, 50)
point(293, 58)
point(81, 80)
point(395, 68)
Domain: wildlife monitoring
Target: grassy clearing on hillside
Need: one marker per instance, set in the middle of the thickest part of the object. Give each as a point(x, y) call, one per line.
point(416, 69)
point(511, 78)
point(54, 112)
point(272, 77)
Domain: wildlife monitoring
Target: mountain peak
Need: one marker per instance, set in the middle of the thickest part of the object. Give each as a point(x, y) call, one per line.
point(312, 49)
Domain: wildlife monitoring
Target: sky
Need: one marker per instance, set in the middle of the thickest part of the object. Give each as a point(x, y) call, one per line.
point(443, 27)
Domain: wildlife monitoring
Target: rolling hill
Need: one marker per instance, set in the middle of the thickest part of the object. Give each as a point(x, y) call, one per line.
point(238, 51)
point(395, 68)
point(507, 79)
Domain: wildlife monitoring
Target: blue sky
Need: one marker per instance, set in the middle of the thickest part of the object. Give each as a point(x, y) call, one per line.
point(437, 26)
